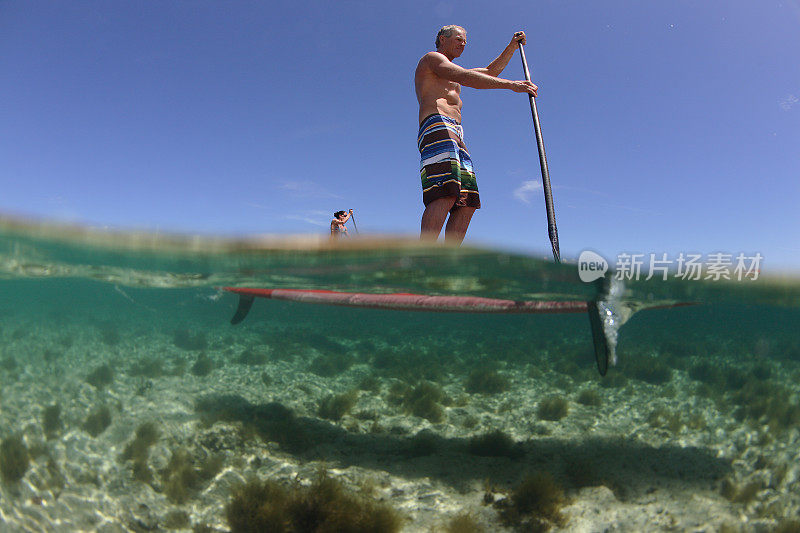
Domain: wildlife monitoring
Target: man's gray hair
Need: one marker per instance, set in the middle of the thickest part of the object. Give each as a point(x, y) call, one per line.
point(447, 31)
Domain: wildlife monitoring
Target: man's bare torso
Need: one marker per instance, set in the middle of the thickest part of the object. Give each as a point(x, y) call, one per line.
point(436, 94)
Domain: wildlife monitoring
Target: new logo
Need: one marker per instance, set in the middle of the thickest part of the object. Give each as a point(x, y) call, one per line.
point(591, 266)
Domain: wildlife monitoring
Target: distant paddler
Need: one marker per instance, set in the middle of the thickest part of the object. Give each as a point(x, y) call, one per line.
point(448, 179)
point(338, 228)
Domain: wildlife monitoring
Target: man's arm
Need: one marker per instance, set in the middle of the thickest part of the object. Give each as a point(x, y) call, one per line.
point(444, 68)
point(498, 65)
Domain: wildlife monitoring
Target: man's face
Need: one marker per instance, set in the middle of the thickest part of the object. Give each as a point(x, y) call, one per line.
point(456, 43)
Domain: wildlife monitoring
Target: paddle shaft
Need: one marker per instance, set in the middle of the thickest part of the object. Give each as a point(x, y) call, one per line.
point(548, 193)
point(353, 216)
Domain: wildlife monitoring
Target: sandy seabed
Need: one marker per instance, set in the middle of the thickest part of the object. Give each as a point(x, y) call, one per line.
point(694, 467)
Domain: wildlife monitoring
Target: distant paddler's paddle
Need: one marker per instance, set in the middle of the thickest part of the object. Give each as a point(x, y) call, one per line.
point(548, 193)
point(353, 216)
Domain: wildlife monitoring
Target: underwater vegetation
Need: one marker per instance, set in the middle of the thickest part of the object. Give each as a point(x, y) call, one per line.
point(271, 421)
point(97, 421)
point(464, 522)
point(486, 381)
point(649, 369)
point(589, 397)
point(423, 400)
point(101, 377)
point(674, 421)
point(790, 525)
point(253, 357)
point(324, 506)
point(138, 451)
point(494, 444)
point(718, 377)
point(535, 504)
point(14, 459)
point(331, 364)
point(664, 418)
point(51, 420)
point(335, 406)
point(185, 474)
point(765, 402)
point(202, 366)
point(370, 384)
point(743, 494)
point(552, 408)
point(414, 365)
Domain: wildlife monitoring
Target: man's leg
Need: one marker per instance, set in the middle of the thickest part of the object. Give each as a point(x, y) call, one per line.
point(434, 216)
point(457, 224)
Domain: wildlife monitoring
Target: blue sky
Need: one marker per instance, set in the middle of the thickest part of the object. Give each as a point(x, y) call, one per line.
point(669, 126)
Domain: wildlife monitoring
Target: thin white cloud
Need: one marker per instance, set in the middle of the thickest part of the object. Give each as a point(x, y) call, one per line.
point(315, 217)
point(312, 219)
point(524, 192)
point(788, 102)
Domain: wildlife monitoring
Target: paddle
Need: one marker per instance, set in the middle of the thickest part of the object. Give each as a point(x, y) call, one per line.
point(353, 216)
point(548, 193)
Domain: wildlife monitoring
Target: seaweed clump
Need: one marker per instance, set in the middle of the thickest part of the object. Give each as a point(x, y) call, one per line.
point(202, 366)
point(552, 408)
point(464, 522)
point(494, 444)
point(97, 421)
point(589, 397)
point(743, 494)
point(332, 364)
point(767, 403)
point(535, 504)
point(486, 381)
point(185, 474)
point(335, 406)
point(323, 506)
point(423, 400)
point(51, 420)
point(14, 459)
point(101, 377)
point(664, 418)
point(138, 450)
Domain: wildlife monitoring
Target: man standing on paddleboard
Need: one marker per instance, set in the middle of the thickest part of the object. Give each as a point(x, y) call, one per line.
point(448, 180)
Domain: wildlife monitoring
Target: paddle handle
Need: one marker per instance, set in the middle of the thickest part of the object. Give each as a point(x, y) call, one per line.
point(552, 230)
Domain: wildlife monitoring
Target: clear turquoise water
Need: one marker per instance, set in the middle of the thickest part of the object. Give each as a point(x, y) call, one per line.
point(69, 303)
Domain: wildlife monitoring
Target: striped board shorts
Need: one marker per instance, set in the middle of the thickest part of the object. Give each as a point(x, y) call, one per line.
point(446, 168)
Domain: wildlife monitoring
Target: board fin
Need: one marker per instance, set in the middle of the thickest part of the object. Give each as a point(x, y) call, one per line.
point(601, 353)
point(245, 303)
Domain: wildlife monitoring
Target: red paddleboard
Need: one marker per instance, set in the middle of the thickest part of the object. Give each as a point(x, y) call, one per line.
point(442, 304)
point(411, 302)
